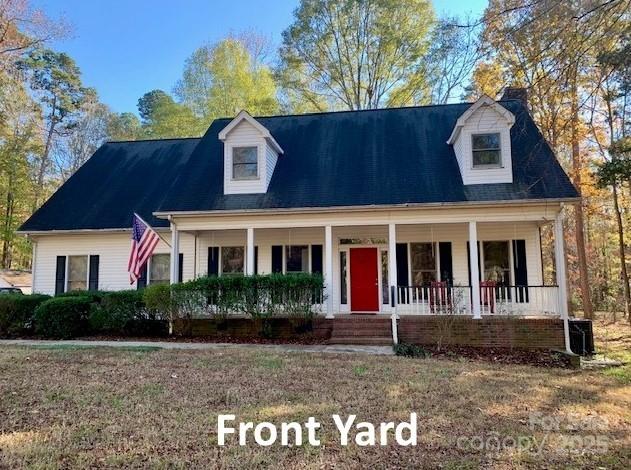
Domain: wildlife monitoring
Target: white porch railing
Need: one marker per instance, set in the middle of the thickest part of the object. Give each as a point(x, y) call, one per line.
point(496, 300)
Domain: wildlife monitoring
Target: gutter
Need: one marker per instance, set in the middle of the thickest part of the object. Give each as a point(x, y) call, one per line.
point(86, 231)
point(311, 210)
point(373, 207)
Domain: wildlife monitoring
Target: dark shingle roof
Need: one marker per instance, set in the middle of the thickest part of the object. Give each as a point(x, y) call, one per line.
point(377, 157)
point(119, 179)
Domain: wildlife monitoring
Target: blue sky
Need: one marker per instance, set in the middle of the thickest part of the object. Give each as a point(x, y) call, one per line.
point(126, 48)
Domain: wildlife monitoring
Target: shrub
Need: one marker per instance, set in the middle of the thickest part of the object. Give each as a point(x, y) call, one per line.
point(410, 350)
point(16, 312)
point(116, 311)
point(261, 297)
point(157, 299)
point(95, 296)
point(63, 317)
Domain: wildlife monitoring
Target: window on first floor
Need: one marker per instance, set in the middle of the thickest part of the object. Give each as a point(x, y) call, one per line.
point(423, 263)
point(343, 278)
point(77, 273)
point(297, 259)
point(496, 256)
point(232, 260)
point(159, 269)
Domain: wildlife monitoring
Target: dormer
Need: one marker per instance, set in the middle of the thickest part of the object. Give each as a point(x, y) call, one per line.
point(481, 142)
point(250, 155)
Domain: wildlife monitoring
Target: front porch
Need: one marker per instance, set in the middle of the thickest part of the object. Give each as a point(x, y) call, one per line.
point(400, 264)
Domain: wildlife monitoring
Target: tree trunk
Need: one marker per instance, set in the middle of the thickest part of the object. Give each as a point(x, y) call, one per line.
point(623, 261)
point(41, 172)
point(577, 167)
point(6, 236)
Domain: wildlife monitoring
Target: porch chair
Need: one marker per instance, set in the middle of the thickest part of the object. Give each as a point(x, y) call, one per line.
point(439, 299)
point(487, 295)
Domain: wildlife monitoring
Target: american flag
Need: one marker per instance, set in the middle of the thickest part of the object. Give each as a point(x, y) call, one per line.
point(143, 242)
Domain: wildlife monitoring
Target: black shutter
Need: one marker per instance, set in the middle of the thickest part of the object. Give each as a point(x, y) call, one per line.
point(402, 271)
point(213, 260)
point(446, 264)
point(277, 259)
point(141, 283)
point(93, 283)
point(402, 264)
point(316, 259)
point(60, 275)
point(180, 268)
point(256, 260)
point(520, 270)
point(469, 263)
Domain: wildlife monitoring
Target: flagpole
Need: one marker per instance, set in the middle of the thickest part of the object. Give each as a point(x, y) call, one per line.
point(155, 231)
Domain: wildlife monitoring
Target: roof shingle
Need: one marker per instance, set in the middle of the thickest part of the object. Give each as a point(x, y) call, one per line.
point(355, 158)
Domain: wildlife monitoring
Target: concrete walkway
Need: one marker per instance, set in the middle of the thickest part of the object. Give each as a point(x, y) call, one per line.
point(311, 348)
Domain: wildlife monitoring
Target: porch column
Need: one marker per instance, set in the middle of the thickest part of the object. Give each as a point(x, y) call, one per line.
point(328, 269)
point(475, 269)
point(392, 279)
point(249, 257)
point(392, 263)
point(175, 254)
point(559, 262)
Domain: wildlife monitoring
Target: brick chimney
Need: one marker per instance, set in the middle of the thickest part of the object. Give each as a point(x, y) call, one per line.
point(516, 93)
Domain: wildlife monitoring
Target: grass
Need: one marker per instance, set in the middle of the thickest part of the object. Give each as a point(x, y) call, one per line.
point(108, 407)
point(615, 343)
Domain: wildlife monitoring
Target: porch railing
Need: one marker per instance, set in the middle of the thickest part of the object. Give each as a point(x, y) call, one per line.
point(494, 300)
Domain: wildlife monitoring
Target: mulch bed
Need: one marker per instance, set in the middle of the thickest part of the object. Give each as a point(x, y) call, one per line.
point(532, 357)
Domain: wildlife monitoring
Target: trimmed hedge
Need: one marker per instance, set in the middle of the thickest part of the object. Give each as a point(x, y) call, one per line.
point(63, 317)
point(260, 297)
point(16, 313)
point(95, 296)
point(115, 311)
point(125, 313)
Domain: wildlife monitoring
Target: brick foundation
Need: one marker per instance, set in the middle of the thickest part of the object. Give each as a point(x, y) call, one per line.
point(505, 332)
point(247, 328)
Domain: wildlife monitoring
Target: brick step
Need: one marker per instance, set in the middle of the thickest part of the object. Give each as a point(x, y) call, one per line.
point(362, 326)
point(351, 335)
point(352, 321)
point(367, 340)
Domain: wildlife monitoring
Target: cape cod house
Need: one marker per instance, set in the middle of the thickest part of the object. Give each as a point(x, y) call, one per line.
point(400, 209)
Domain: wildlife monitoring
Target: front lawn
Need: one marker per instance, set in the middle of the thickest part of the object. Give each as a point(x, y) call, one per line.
point(80, 407)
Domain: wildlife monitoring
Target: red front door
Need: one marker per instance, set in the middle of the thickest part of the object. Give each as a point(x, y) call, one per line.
point(364, 280)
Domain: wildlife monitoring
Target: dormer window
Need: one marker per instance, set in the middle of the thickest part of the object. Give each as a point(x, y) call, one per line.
point(486, 150)
point(250, 154)
point(245, 164)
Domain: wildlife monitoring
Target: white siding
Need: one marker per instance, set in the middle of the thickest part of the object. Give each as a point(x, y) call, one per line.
point(246, 135)
point(113, 251)
point(484, 120)
point(271, 158)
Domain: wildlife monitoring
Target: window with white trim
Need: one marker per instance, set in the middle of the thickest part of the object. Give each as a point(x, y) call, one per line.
point(245, 163)
point(486, 150)
point(159, 269)
point(423, 263)
point(497, 263)
point(77, 273)
point(297, 258)
point(232, 260)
